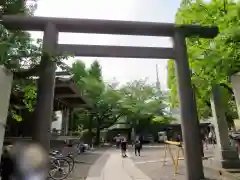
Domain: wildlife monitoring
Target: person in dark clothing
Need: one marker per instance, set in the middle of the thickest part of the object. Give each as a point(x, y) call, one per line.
point(178, 138)
point(137, 147)
point(124, 147)
point(6, 165)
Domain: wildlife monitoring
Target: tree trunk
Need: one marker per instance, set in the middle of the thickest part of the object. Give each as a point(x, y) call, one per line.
point(90, 129)
point(98, 132)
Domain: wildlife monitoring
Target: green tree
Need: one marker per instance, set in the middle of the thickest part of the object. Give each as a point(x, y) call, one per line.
point(212, 60)
point(140, 98)
point(135, 100)
point(19, 53)
point(103, 97)
point(140, 103)
point(162, 120)
point(96, 71)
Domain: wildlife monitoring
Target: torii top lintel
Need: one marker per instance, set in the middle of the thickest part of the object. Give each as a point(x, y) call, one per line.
point(34, 23)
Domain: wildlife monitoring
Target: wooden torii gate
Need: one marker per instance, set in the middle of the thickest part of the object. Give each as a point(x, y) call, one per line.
point(51, 28)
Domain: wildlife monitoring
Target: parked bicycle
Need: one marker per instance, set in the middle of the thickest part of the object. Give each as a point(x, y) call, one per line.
point(59, 168)
point(70, 155)
point(69, 158)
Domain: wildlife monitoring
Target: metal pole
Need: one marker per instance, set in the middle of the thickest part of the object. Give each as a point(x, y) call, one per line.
point(45, 88)
point(188, 109)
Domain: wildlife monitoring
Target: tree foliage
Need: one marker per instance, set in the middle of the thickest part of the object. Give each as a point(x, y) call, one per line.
point(21, 54)
point(141, 102)
point(162, 119)
point(141, 99)
point(18, 51)
point(136, 100)
point(212, 61)
point(103, 96)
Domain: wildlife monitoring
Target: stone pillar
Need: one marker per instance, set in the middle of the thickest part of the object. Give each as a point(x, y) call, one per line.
point(65, 121)
point(188, 110)
point(235, 79)
point(6, 78)
point(225, 156)
point(45, 88)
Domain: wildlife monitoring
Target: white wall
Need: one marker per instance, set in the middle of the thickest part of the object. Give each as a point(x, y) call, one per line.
point(57, 124)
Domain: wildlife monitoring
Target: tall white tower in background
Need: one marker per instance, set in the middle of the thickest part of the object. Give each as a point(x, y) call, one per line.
point(158, 84)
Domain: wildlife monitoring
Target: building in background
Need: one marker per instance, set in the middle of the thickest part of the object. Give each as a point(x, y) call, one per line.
point(58, 123)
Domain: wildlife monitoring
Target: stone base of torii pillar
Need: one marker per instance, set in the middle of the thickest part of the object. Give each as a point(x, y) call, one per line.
point(225, 156)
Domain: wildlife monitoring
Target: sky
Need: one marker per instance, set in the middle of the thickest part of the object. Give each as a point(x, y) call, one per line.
point(120, 69)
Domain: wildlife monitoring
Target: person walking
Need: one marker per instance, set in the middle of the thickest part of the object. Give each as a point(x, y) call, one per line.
point(124, 147)
point(211, 138)
point(118, 140)
point(137, 147)
point(203, 136)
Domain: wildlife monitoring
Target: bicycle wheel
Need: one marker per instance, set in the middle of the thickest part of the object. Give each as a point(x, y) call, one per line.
point(71, 162)
point(59, 169)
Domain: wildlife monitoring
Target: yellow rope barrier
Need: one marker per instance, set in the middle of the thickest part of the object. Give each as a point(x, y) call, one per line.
point(177, 156)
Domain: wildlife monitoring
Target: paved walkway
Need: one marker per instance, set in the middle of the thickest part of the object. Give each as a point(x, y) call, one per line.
point(116, 168)
point(149, 166)
point(94, 161)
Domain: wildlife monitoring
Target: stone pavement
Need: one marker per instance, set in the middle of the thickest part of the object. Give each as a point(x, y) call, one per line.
point(108, 165)
point(89, 161)
point(146, 167)
point(151, 163)
point(117, 168)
